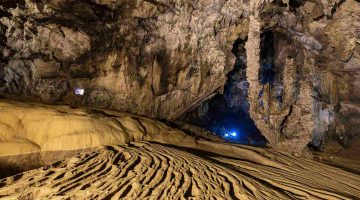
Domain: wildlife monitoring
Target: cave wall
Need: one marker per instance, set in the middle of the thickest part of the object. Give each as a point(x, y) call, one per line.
point(164, 58)
point(312, 97)
point(319, 73)
point(333, 70)
point(156, 58)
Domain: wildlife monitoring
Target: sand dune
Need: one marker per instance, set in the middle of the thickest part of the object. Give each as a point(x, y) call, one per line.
point(144, 170)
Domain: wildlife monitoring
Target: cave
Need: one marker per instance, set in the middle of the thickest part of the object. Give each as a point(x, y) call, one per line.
point(226, 114)
point(179, 99)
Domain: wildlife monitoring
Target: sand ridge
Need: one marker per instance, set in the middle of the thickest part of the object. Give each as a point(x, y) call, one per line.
point(146, 170)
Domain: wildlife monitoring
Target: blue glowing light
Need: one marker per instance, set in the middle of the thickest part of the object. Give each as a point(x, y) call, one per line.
point(231, 135)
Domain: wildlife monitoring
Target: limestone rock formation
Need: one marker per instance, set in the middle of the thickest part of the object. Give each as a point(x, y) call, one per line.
point(120, 73)
point(309, 97)
point(39, 128)
point(174, 54)
point(164, 58)
point(309, 107)
point(334, 70)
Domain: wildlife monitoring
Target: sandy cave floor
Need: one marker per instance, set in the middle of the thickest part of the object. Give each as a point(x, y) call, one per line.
point(110, 155)
point(145, 170)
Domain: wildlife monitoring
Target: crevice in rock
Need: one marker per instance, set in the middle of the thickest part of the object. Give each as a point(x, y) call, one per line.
point(283, 123)
point(296, 3)
point(336, 6)
point(267, 51)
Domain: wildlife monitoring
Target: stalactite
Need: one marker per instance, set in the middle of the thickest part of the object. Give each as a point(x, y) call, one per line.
point(273, 118)
point(253, 65)
point(259, 107)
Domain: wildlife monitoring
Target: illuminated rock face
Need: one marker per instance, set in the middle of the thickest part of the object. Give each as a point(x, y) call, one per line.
point(86, 153)
point(163, 59)
point(272, 115)
point(152, 58)
point(310, 68)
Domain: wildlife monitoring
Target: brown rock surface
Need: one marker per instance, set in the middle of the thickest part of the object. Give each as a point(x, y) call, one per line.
point(336, 73)
point(32, 128)
point(174, 54)
point(164, 58)
point(318, 85)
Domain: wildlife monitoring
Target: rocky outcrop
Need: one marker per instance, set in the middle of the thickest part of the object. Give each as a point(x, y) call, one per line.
point(310, 67)
point(155, 58)
point(335, 71)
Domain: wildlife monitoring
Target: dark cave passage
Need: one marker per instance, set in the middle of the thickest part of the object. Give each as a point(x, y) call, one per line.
point(227, 114)
point(230, 122)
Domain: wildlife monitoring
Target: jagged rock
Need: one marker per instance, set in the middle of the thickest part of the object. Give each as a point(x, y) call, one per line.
point(336, 73)
point(321, 45)
point(344, 30)
point(175, 54)
point(287, 124)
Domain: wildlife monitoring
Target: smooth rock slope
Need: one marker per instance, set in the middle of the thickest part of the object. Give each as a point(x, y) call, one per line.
point(32, 135)
point(28, 128)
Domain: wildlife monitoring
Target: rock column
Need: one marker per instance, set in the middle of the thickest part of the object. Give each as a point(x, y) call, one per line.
point(286, 124)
